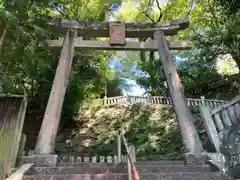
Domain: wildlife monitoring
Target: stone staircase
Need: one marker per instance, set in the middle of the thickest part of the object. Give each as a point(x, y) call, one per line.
point(160, 170)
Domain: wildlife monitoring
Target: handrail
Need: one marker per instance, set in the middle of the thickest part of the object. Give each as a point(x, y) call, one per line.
point(226, 105)
point(131, 165)
point(217, 119)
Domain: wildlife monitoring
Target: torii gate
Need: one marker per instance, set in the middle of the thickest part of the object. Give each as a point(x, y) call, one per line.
point(117, 33)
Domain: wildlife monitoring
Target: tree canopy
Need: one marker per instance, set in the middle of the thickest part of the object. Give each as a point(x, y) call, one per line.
point(214, 30)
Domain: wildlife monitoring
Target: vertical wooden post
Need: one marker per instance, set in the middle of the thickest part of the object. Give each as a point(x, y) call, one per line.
point(22, 145)
point(210, 126)
point(47, 135)
point(119, 148)
point(185, 119)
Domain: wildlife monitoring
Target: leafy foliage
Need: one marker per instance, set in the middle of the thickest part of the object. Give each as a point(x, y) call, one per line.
point(27, 66)
point(98, 126)
point(152, 129)
point(221, 36)
point(231, 7)
point(213, 30)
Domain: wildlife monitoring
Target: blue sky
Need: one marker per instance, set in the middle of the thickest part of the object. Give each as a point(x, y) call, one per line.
point(135, 90)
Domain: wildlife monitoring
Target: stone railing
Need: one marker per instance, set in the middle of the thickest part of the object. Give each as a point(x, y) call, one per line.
point(222, 125)
point(159, 100)
point(91, 159)
point(219, 118)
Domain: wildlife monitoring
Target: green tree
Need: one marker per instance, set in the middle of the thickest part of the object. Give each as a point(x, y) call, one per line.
point(214, 31)
point(27, 66)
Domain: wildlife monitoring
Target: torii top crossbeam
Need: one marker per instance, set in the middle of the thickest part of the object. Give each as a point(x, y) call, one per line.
point(133, 30)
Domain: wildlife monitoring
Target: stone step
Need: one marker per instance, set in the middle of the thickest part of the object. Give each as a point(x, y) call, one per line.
point(145, 176)
point(160, 162)
point(138, 163)
point(98, 169)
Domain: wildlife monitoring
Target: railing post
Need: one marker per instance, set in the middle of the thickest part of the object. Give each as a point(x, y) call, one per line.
point(127, 99)
point(119, 148)
point(22, 143)
point(203, 100)
point(210, 127)
point(132, 153)
point(30, 152)
point(105, 100)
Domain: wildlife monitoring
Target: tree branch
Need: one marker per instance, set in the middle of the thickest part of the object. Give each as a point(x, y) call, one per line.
point(190, 9)
point(148, 16)
point(194, 31)
point(146, 12)
point(160, 11)
point(62, 13)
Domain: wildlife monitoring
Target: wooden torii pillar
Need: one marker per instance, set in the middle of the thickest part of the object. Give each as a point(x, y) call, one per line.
point(47, 135)
point(185, 119)
point(48, 132)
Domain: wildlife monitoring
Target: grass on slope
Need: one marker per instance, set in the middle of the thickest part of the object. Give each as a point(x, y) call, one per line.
point(151, 128)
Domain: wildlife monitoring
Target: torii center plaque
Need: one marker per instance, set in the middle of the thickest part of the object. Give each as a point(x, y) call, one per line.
point(117, 33)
